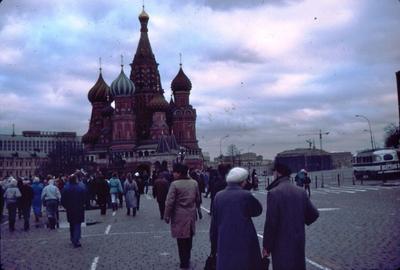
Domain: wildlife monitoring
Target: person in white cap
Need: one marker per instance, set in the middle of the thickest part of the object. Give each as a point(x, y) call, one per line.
point(11, 196)
point(233, 236)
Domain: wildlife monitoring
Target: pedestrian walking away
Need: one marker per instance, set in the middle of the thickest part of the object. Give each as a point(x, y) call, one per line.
point(130, 191)
point(73, 200)
point(102, 192)
point(160, 191)
point(11, 196)
point(115, 189)
point(25, 201)
point(139, 182)
point(288, 211)
point(234, 239)
point(307, 183)
point(51, 197)
point(180, 210)
point(37, 188)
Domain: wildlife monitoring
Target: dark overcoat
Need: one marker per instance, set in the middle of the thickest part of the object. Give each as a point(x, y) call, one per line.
point(102, 189)
point(288, 210)
point(232, 230)
point(73, 200)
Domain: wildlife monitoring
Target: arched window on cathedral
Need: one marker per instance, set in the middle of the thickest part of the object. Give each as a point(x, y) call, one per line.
point(146, 153)
point(140, 154)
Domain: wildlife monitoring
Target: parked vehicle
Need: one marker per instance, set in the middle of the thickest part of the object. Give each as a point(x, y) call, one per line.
point(377, 164)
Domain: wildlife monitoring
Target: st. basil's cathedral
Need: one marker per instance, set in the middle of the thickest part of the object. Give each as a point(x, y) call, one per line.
point(143, 129)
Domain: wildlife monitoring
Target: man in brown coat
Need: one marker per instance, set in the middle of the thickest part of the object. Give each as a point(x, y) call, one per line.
point(182, 201)
point(160, 191)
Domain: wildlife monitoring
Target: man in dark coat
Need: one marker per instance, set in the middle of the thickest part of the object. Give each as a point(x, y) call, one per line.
point(160, 191)
point(288, 210)
point(218, 182)
point(25, 201)
point(73, 198)
point(102, 192)
point(232, 232)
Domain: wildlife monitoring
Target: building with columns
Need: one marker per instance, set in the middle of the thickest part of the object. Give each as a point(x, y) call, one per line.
point(142, 129)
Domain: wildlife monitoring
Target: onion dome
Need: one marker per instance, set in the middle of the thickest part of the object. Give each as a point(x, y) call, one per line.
point(122, 85)
point(107, 111)
point(99, 92)
point(158, 103)
point(89, 138)
point(181, 82)
point(143, 15)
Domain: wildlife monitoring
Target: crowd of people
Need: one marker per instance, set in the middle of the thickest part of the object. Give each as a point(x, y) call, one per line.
point(233, 237)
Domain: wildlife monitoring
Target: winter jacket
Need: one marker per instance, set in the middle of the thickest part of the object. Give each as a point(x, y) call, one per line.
point(115, 185)
point(51, 192)
point(73, 200)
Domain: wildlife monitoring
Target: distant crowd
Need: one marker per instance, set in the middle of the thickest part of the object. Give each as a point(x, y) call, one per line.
point(234, 241)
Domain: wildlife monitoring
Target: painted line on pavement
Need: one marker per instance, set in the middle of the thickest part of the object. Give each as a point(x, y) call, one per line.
point(205, 209)
point(342, 190)
point(94, 263)
point(307, 259)
point(108, 229)
point(148, 196)
point(317, 264)
point(327, 209)
point(114, 213)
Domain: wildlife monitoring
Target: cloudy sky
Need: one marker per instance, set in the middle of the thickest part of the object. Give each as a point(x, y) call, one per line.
point(263, 72)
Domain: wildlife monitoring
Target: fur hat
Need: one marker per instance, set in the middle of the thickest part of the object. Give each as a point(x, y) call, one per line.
point(36, 179)
point(237, 175)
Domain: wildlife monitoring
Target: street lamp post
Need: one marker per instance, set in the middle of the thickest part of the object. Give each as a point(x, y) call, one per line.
point(370, 130)
point(220, 144)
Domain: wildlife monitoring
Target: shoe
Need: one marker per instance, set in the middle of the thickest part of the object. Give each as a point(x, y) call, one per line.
point(77, 245)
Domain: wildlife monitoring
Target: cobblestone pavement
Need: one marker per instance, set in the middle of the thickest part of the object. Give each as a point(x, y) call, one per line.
point(358, 228)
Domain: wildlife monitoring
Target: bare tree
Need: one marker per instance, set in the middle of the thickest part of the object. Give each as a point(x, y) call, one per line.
point(392, 136)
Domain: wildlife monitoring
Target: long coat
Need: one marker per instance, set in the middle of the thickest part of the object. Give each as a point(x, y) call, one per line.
point(232, 231)
point(37, 200)
point(160, 189)
point(102, 189)
point(181, 207)
point(288, 210)
point(130, 190)
point(73, 198)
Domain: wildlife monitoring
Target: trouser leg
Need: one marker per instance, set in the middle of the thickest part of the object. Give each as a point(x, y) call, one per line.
point(26, 211)
point(184, 248)
point(138, 202)
point(12, 213)
point(161, 206)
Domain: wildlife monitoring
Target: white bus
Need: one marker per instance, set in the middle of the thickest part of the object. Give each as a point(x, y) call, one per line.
point(378, 164)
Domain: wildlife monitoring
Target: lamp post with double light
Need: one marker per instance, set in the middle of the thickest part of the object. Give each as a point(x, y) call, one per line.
point(220, 145)
point(370, 130)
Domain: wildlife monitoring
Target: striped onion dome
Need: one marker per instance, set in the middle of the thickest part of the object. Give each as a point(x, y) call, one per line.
point(158, 103)
point(181, 82)
point(99, 92)
point(122, 85)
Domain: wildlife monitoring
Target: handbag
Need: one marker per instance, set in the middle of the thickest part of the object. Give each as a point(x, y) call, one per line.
point(211, 263)
point(265, 263)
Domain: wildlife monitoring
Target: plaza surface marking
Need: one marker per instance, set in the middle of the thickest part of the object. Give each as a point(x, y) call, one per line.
point(108, 229)
point(307, 259)
point(94, 263)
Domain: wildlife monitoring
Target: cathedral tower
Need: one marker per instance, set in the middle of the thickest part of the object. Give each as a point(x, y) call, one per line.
point(184, 115)
point(146, 77)
point(124, 129)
